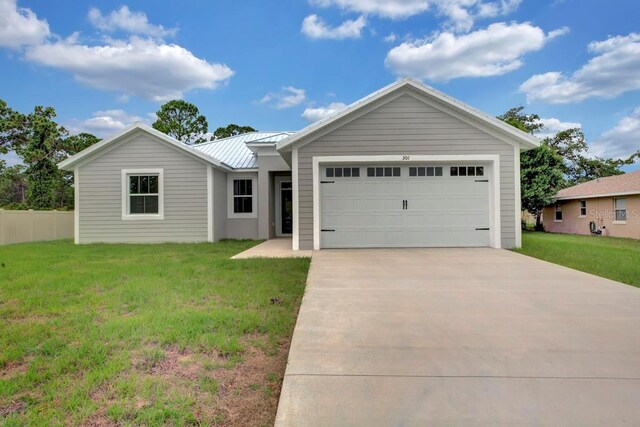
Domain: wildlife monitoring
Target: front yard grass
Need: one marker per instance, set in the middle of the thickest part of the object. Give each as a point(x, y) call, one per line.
point(610, 257)
point(143, 334)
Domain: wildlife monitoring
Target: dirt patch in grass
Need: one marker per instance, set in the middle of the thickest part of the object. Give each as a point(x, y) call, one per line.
point(12, 408)
point(249, 392)
point(13, 369)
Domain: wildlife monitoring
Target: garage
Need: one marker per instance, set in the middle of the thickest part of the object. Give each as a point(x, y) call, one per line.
point(371, 205)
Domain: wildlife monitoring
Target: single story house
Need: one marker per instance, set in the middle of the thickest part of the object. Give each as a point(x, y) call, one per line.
point(611, 203)
point(406, 166)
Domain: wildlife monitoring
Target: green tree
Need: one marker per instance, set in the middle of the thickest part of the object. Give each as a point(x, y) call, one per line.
point(578, 166)
point(541, 178)
point(11, 126)
point(12, 187)
point(39, 142)
point(182, 121)
point(541, 173)
point(231, 130)
point(516, 117)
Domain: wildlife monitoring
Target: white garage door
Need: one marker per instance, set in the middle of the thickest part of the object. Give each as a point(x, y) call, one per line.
point(418, 205)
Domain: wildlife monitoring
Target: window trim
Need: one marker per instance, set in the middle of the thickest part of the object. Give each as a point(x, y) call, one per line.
point(615, 211)
point(558, 208)
point(580, 208)
point(254, 197)
point(126, 200)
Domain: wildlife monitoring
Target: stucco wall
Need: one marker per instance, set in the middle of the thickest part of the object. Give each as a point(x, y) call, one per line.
point(600, 211)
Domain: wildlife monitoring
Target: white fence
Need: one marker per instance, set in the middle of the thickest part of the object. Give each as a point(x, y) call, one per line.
point(32, 226)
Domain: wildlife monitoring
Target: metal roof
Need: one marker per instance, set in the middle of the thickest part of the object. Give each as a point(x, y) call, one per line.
point(233, 151)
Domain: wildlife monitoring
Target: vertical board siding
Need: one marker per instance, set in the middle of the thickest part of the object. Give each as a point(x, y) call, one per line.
point(185, 195)
point(34, 226)
point(406, 126)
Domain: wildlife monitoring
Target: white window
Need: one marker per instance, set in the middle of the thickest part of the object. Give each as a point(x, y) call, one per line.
point(620, 208)
point(583, 208)
point(142, 194)
point(558, 217)
point(241, 191)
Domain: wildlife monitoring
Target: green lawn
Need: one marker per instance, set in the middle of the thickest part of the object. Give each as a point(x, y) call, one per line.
point(610, 257)
point(143, 334)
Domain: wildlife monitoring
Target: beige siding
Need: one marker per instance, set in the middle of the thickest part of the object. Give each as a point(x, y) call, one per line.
point(185, 194)
point(406, 126)
point(33, 226)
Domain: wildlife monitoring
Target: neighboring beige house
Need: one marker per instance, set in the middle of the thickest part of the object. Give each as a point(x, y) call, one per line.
point(612, 204)
point(406, 166)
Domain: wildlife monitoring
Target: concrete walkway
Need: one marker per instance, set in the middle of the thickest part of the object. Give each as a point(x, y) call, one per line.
point(423, 337)
point(274, 248)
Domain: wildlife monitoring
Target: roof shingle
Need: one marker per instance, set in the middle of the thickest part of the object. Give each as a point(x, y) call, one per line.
point(628, 183)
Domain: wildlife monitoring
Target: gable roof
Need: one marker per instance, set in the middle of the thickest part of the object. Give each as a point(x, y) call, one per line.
point(618, 185)
point(234, 152)
point(69, 163)
point(525, 140)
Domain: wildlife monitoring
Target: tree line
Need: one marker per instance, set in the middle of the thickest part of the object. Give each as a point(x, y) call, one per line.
point(41, 143)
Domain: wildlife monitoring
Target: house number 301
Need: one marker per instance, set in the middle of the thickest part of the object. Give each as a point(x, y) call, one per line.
point(406, 157)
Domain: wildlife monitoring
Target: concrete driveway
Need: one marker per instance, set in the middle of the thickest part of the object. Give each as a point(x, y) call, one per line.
point(421, 337)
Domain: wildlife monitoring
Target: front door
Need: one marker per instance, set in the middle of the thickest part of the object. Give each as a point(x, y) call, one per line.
point(286, 208)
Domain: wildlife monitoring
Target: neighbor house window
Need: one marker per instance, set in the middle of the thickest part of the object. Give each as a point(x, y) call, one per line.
point(620, 208)
point(242, 197)
point(142, 194)
point(583, 208)
point(558, 216)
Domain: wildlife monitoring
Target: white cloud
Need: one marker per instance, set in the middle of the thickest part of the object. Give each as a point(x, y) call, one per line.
point(495, 50)
point(460, 14)
point(20, 26)
point(315, 28)
point(613, 71)
point(146, 68)
point(394, 9)
point(288, 97)
point(391, 38)
point(131, 22)
point(552, 126)
point(315, 114)
point(622, 140)
point(104, 123)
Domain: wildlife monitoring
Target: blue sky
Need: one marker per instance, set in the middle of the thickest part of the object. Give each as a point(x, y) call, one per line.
point(278, 65)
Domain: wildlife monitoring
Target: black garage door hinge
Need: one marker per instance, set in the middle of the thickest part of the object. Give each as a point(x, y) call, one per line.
point(327, 182)
point(483, 228)
point(327, 229)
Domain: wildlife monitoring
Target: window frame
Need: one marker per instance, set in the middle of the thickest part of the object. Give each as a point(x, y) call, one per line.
point(615, 210)
point(581, 207)
point(558, 209)
point(126, 199)
point(230, 196)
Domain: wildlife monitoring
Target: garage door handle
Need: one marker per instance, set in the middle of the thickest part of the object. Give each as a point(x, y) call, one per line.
point(405, 205)
point(482, 180)
point(327, 182)
point(483, 228)
point(327, 229)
